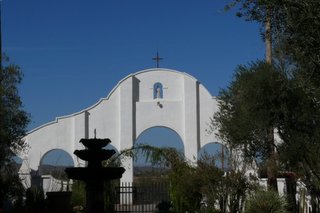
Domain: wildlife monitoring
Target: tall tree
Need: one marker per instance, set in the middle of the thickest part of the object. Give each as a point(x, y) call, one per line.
point(294, 28)
point(299, 130)
point(262, 11)
point(13, 123)
point(295, 31)
point(249, 107)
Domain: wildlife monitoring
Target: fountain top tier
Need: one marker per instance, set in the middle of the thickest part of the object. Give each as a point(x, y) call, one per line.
point(94, 153)
point(95, 143)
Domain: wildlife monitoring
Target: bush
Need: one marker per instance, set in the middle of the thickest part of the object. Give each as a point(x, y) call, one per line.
point(265, 202)
point(35, 200)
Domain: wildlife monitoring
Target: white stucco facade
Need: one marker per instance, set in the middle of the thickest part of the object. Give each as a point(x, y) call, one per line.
point(132, 107)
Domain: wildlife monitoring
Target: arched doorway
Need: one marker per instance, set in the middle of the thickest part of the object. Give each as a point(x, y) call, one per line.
point(158, 137)
point(217, 152)
point(54, 162)
point(150, 182)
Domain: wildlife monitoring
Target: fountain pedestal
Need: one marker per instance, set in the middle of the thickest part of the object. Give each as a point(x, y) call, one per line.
point(94, 174)
point(94, 197)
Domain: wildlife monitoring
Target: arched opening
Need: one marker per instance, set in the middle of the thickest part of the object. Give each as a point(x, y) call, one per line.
point(54, 163)
point(150, 182)
point(215, 152)
point(157, 137)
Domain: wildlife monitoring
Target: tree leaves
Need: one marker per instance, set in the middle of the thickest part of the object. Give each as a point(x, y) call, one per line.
point(249, 106)
point(13, 123)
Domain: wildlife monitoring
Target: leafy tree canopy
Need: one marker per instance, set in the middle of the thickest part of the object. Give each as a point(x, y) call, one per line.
point(249, 106)
point(295, 30)
point(13, 123)
point(291, 104)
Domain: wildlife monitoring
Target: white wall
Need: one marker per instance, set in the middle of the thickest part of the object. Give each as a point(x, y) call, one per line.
point(130, 109)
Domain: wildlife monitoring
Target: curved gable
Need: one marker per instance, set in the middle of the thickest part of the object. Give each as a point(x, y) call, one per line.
point(169, 76)
point(145, 99)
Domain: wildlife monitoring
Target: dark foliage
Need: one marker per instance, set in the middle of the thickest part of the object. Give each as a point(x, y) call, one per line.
point(13, 123)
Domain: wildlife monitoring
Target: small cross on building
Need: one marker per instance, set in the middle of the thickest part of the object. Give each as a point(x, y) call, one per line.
point(157, 59)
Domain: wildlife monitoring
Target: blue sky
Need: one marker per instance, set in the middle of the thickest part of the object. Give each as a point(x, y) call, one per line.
point(73, 52)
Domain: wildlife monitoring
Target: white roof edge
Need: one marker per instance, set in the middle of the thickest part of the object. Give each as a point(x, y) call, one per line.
point(171, 70)
point(164, 69)
point(112, 91)
point(67, 116)
point(144, 71)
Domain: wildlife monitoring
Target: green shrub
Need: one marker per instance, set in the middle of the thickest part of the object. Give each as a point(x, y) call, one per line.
point(265, 202)
point(35, 200)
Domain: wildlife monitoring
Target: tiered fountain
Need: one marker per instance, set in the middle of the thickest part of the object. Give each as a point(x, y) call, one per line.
point(94, 174)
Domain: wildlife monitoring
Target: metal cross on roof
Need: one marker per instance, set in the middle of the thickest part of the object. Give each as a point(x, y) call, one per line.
point(158, 59)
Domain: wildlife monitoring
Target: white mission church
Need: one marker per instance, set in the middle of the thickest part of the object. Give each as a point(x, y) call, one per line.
point(145, 99)
point(150, 98)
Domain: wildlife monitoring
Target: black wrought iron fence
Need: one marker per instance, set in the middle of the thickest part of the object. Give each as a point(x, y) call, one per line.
point(145, 196)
